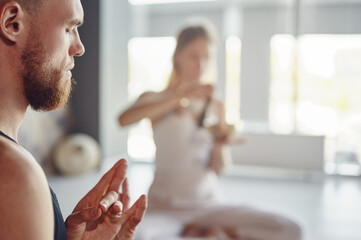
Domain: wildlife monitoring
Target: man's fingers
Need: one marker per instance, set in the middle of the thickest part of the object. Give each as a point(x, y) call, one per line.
point(131, 218)
point(119, 175)
point(87, 214)
point(102, 186)
point(108, 201)
point(124, 197)
point(111, 180)
point(117, 208)
point(141, 203)
point(139, 212)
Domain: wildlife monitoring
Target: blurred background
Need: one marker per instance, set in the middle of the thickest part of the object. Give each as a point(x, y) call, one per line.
point(289, 74)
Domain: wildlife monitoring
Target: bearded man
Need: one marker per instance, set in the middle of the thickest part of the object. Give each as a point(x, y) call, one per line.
point(39, 40)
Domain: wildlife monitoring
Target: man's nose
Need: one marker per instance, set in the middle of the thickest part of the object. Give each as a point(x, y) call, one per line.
point(77, 48)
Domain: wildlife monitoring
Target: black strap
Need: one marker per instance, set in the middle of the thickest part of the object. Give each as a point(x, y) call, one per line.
point(6, 136)
point(59, 225)
point(203, 114)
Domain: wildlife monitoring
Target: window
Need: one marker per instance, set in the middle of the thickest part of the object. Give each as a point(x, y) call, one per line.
point(282, 90)
point(315, 90)
point(233, 80)
point(150, 64)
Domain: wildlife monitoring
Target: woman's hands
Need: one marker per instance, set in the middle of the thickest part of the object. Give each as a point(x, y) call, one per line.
point(194, 90)
point(104, 212)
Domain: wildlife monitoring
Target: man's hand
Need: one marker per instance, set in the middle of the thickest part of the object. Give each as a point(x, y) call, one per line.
point(104, 213)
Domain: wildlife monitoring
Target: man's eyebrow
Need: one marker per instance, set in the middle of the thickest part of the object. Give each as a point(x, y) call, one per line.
point(76, 22)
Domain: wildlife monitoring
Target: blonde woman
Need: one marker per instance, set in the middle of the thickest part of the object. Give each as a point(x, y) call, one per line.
point(189, 159)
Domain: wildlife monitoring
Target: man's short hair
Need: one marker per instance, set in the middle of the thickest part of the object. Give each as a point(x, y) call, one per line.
point(31, 6)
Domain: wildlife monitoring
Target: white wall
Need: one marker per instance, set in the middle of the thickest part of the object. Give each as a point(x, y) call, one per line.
point(113, 74)
point(281, 151)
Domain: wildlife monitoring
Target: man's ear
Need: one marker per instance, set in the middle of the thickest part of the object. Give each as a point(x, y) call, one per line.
point(11, 21)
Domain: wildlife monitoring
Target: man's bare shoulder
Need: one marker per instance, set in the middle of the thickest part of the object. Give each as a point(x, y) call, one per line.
point(15, 160)
point(24, 195)
point(19, 168)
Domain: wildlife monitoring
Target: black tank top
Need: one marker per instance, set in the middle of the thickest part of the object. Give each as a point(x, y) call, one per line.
point(59, 226)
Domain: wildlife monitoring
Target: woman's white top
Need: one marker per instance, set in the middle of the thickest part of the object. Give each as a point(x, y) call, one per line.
point(182, 178)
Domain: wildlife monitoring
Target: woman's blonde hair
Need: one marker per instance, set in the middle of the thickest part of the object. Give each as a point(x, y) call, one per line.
point(186, 36)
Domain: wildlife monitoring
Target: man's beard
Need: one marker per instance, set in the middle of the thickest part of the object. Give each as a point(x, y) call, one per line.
point(43, 86)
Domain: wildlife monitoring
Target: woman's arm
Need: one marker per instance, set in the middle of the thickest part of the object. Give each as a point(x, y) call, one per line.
point(220, 155)
point(150, 105)
point(156, 105)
